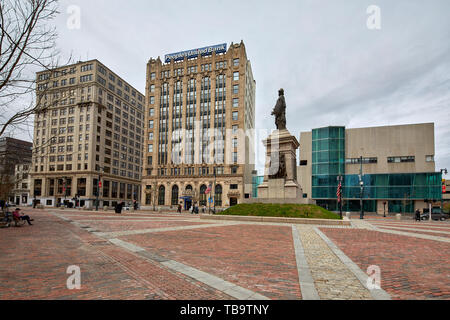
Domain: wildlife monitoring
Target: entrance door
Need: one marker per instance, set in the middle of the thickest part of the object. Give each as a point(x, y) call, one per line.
point(17, 201)
point(233, 201)
point(187, 204)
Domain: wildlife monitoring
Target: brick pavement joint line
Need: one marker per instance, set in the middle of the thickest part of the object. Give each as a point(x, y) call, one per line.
point(377, 294)
point(306, 281)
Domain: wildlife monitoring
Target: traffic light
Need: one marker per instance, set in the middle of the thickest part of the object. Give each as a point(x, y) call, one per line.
point(443, 186)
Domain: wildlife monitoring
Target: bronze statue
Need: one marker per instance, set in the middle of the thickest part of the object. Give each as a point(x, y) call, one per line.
point(281, 171)
point(280, 111)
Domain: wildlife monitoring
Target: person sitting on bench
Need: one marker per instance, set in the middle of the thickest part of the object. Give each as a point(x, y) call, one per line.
point(18, 215)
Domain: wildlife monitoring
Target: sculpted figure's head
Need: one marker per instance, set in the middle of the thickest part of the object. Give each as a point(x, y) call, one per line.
point(281, 92)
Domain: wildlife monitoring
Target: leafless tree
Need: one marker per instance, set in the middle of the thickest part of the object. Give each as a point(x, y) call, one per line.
point(27, 45)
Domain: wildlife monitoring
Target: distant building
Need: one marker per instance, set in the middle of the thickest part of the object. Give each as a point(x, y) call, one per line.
point(90, 128)
point(398, 168)
point(21, 191)
point(12, 152)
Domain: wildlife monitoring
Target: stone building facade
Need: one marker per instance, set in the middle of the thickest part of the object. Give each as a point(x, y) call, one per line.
point(90, 127)
point(199, 129)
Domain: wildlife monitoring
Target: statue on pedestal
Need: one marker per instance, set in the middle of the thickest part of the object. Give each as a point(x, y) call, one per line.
point(280, 111)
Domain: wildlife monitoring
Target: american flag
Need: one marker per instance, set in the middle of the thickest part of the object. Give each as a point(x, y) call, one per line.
point(208, 190)
point(339, 191)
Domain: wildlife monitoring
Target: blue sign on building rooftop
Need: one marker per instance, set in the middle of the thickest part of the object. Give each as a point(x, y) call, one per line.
point(194, 53)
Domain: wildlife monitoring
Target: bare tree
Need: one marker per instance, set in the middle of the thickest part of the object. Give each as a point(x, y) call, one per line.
point(27, 45)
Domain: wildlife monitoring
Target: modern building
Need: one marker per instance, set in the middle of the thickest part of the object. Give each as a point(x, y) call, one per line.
point(397, 165)
point(21, 191)
point(12, 152)
point(200, 118)
point(89, 129)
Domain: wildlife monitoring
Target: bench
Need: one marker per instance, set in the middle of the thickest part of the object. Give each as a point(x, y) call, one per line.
point(18, 222)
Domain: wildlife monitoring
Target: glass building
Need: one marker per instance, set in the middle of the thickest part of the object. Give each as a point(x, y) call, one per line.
point(385, 186)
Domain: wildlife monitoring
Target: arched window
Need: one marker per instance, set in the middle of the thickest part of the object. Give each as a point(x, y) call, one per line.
point(175, 195)
point(161, 195)
point(218, 196)
point(202, 197)
point(188, 187)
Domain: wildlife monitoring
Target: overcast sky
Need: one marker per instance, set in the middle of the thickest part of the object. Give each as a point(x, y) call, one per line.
point(335, 71)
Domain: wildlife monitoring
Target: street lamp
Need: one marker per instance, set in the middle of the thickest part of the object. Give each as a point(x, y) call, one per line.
point(361, 183)
point(99, 184)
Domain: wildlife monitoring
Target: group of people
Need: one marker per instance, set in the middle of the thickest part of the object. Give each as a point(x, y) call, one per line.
point(119, 206)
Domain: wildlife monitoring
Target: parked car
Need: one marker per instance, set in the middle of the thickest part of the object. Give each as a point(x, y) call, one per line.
point(436, 214)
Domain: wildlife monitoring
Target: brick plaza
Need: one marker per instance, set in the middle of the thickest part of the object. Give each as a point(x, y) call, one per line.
point(146, 255)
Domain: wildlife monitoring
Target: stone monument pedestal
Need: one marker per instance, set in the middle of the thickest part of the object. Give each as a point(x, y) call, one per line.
point(280, 174)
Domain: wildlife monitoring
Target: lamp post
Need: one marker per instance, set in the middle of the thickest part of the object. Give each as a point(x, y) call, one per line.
point(384, 209)
point(361, 184)
point(214, 209)
point(99, 185)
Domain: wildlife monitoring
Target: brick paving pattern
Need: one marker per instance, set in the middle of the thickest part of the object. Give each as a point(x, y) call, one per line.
point(260, 258)
point(410, 268)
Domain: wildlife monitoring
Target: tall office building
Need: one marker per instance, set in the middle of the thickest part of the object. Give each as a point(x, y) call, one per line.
point(199, 119)
point(90, 127)
point(397, 164)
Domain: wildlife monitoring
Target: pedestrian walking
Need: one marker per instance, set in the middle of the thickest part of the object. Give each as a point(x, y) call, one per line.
point(417, 215)
point(179, 208)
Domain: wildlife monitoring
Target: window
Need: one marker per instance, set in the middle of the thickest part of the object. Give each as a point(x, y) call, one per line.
point(86, 67)
point(235, 76)
point(150, 136)
point(235, 129)
point(233, 186)
point(86, 78)
point(429, 158)
point(152, 88)
point(151, 112)
point(358, 160)
point(150, 148)
point(152, 76)
point(235, 116)
point(400, 159)
point(236, 62)
point(150, 124)
point(235, 89)
point(152, 100)
point(235, 102)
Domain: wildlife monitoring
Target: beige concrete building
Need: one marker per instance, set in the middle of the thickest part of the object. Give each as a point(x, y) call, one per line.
point(397, 165)
point(91, 125)
point(200, 117)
